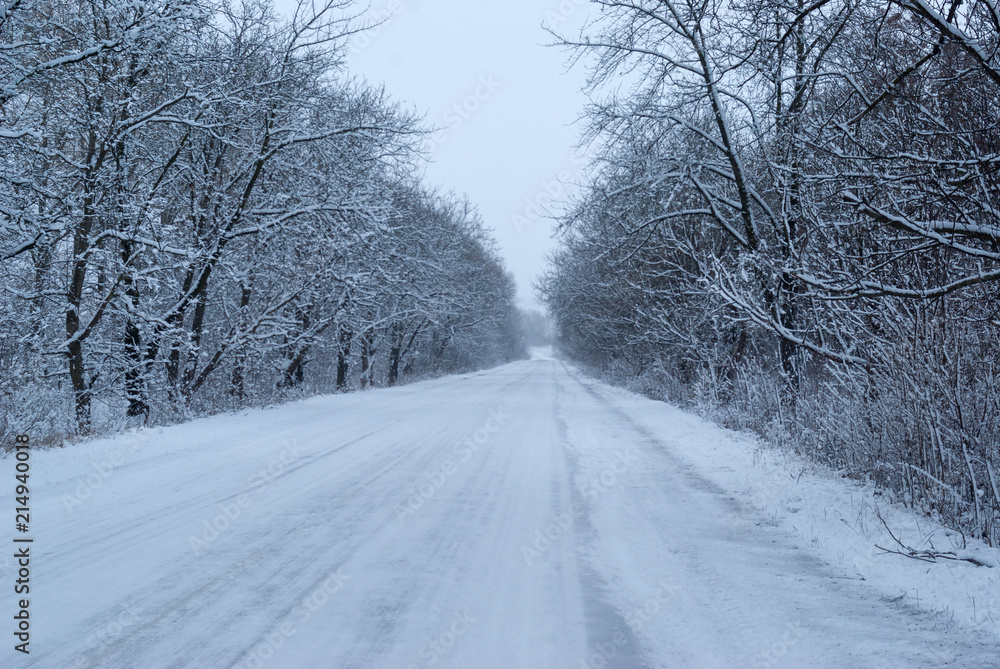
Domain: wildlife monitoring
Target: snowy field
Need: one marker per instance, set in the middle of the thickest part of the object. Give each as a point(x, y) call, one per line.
point(525, 516)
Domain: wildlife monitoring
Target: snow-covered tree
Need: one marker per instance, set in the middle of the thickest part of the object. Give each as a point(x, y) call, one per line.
point(793, 220)
point(200, 208)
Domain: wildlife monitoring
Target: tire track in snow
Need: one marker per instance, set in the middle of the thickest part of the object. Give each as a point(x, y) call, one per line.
point(604, 621)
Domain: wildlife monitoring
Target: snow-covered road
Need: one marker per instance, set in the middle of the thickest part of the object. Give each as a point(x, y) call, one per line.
point(518, 517)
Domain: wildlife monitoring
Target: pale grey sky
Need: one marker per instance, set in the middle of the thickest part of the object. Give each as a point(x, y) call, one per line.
point(506, 104)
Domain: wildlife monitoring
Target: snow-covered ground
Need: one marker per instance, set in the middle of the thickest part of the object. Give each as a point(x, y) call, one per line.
point(525, 516)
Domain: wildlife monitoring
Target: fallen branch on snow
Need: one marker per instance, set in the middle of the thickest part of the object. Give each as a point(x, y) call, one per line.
point(932, 555)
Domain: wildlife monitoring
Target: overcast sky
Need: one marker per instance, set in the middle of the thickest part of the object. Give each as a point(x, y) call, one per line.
point(506, 104)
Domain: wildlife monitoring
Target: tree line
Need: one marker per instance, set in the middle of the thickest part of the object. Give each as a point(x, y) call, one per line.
point(793, 224)
point(201, 209)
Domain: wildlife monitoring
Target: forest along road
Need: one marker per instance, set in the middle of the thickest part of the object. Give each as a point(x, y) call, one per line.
point(509, 518)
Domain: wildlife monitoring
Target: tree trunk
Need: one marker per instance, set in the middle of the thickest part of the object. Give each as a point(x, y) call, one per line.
point(238, 387)
point(295, 371)
point(135, 391)
point(81, 245)
point(194, 354)
point(367, 363)
point(394, 364)
point(343, 357)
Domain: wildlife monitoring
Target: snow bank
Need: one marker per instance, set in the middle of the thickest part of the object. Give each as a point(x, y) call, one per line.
point(838, 519)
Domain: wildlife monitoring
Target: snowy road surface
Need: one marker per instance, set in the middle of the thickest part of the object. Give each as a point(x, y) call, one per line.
point(516, 517)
